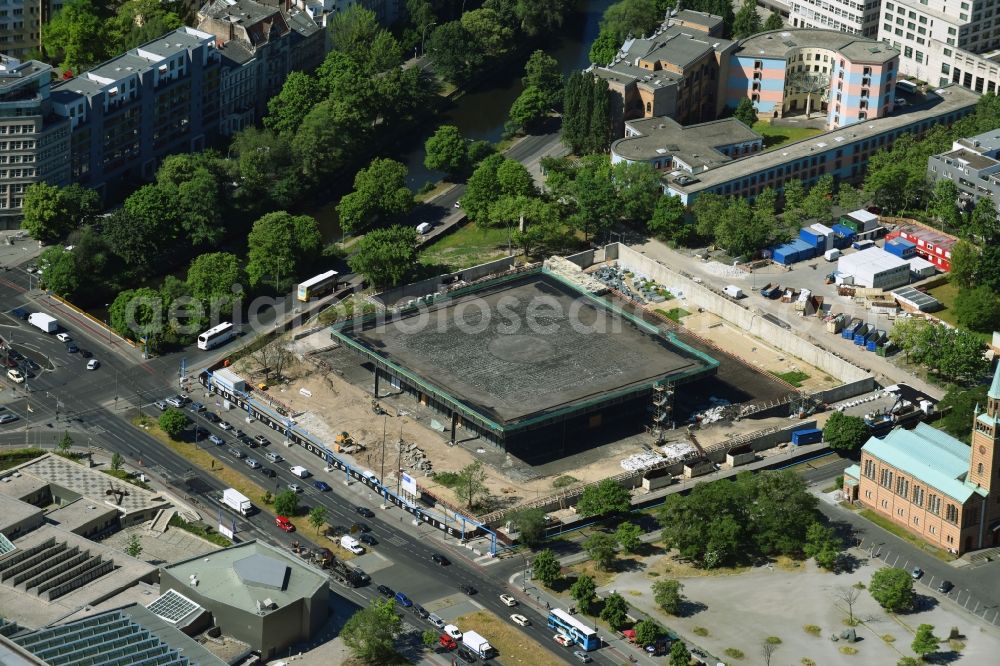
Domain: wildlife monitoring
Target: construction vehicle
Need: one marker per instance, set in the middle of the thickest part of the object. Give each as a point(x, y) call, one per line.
point(771, 290)
point(344, 443)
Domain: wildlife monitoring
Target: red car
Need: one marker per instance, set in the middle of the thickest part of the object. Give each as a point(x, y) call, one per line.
point(447, 642)
point(284, 524)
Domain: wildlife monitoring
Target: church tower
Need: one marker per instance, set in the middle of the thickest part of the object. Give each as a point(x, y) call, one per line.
point(984, 466)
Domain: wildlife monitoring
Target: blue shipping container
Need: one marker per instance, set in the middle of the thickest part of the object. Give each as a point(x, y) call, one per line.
point(807, 436)
point(843, 230)
point(861, 334)
point(814, 239)
point(901, 247)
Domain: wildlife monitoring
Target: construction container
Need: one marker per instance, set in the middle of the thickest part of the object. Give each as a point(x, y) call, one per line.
point(807, 436)
point(874, 340)
point(770, 290)
point(848, 332)
point(790, 253)
point(863, 244)
point(901, 247)
point(827, 234)
point(835, 324)
point(861, 334)
point(814, 239)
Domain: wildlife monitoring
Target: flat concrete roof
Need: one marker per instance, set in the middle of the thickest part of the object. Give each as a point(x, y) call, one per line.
point(985, 142)
point(525, 346)
point(19, 486)
point(874, 260)
point(779, 43)
point(222, 576)
point(13, 511)
point(951, 98)
point(75, 514)
point(973, 159)
point(695, 145)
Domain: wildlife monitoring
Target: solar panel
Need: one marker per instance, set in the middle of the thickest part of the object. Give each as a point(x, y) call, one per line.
point(173, 606)
point(5, 545)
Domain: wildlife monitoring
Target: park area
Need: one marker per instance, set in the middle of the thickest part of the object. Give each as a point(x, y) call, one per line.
point(468, 245)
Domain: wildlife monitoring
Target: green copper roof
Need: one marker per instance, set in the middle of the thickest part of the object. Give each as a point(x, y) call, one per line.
point(928, 454)
point(995, 386)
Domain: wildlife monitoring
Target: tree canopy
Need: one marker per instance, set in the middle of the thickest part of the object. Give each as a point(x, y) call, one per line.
point(278, 246)
point(892, 588)
point(371, 632)
point(447, 150)
point(604, 498)
point(380, 195)
point(845, 433)
point(385, 256)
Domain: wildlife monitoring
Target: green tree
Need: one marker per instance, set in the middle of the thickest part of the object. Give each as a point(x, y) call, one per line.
point(593, 191)
point(429, 638)
point(514, 179)
point(679, 655)
point(353, 31)
point(490, 34)
point(446, 151)
point(988, 271)
point(540, 16)
point(983, 223)
point(583, 592)
point(773, 22)
point(794, 195)
point(635, 17)
point(62, 275)
point(924, 641)
point(668, 223)
point(627, 535)
point(140, 21)
point(173, 422)
point(747, 21)
point(51, 212)
point(615, 611)
point(958, 408)
point(134, 547)
point(286, 110)
point(542, 72)
point(977, 309)
point(385, 256)
point(137, 314)
point(530, 526)
point(708, 209)
point(471, 483)
point(647, 631)
point(604, 49)
point(216, 277)
point(268, 173)
point(370, 634)
point(819, 202)
point(667, 594)
point(546, 568)
point(745, 112)
point(482, 188)
point(75, 36)
point(329, 136)
point(383, 53)
point(823, 545)
point(851, 198)
point(286, 503)
point(317, 516)
point(601, 548)
point(638, 188)
point(380, 194)
point(741, 230)
point(117, 462)
point(456, 55)
point(65, 444)
point(845, 433)
point(604, 498)
point(278, 245)
point(965, 264)
point(892, 588)
point(944, 204)
point(529, 109)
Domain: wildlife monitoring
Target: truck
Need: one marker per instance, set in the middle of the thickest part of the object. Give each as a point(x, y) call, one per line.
point(479, 645)
point(351, 544)
point(238, 502)
point(43, 321)
point(732, 291)
point(771, 290)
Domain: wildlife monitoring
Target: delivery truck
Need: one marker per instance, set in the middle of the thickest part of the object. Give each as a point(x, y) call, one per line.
point(238, 502)
point(479, 645)
point(43, 321)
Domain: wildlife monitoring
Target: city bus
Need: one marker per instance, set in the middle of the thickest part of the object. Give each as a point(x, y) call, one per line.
point(573, 629)
point(217, 335)
point(317, 286)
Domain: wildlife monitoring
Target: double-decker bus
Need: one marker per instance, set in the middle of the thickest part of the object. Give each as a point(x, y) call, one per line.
point(317, 286)
point(217, 335)
point(573, 629)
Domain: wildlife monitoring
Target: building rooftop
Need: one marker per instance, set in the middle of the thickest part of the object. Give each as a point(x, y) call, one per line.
point(14, 73)
point(80, 513)
point(971, 158)
point(916, 298)
point(20, 486)
point(929, 235)
point(677, 45)
point(246, 575)
point(14, 511)
point(689, 16)
point(174, 42)
point(994, 391)
point(942, 101)
point(695, 145)
point(928, 454)
point(982, 143)
point(778, 44)
point(873, 260)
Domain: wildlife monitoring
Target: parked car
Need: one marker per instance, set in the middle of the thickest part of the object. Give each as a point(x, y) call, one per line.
point(93, 364)
point(236, 453)
point(84, 353)
point(161, 405)
point(420, 611)
point(917, 573)
point(582, 656)
point(562, 640)
point(508, 600)
point(520, 620)
point(365, 511)
point(175, 401)
point(263, 441)
point(360, 527)
point(439, 559)
point(386, 591)
point(403, 600)
point(225, 425)
point(211, 417)
point(945, 587)
point(63, 337)
point(268, 472)
point(72, 348)
point(215, 439)
point(467, 655)
point(284, 524)
point(295, 488)
point(197, 407)
point(436, 621)
point(447, 642)
point(322, 486)
point(15, 376)
point(7, 418)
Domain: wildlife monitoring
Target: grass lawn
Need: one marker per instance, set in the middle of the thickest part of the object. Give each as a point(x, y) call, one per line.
point(904, 534)
point(513, 646)
point(776, 136)
point(15, 457)
point(466, 246)
point(946, 292)
point(674, 313)
point(793, 377)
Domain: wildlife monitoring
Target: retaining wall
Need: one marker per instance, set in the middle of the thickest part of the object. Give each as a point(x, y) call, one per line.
point(737, 314)
point(431, 285)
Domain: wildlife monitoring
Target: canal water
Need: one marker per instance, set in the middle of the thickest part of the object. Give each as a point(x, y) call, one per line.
point(481, 114)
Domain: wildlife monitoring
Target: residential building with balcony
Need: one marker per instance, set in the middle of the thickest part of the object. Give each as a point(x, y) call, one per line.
point(935, 486)
point(130, 112)
point(973, 164)
point(786, 72)
point(34, 141)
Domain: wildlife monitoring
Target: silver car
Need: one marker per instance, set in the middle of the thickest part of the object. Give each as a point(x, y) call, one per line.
point(252, 464)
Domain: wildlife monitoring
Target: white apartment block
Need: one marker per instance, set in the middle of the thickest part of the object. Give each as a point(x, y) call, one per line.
point(854, 17)
point(945, 41)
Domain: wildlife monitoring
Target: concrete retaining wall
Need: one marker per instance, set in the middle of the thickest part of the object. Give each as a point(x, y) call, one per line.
point(846, 391)
point(430, 285)
point(737, 314)
point(583, 259)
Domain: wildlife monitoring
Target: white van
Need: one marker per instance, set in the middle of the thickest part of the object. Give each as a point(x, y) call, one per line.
point(351, 544)
point(424, 227)
point(300, 471)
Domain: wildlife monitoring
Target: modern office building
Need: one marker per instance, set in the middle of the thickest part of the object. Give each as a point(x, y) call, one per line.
point(945, 42)
point(934, 485)
point(130, 112)
point(34, 142)
point(855, 17)
point(667, 145)
point(973, 164)
point(844, 78)
point(842, 153)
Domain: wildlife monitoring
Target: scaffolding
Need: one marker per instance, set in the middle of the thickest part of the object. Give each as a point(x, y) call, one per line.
point(662, 410)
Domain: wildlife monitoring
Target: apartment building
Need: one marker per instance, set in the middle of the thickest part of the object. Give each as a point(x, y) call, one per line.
point(667, 145)
point(945, 42)
point(34, 142)
point(973, 164)
point(20, 25)
point(130, 112)
point(933, 484)
point(842, 153)
point(856, 17)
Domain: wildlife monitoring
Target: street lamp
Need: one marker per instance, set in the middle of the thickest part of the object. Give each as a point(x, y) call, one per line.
point(423, 36)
